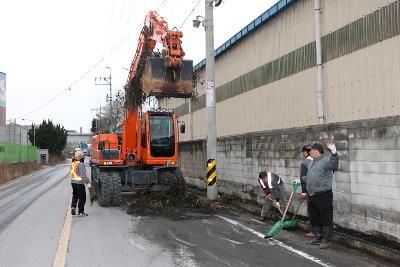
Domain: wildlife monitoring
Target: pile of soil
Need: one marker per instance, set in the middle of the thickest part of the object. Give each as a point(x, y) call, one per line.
point(171, 206)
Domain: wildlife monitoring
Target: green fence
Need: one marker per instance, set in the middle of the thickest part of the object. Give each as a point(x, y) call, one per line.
point(13, 153)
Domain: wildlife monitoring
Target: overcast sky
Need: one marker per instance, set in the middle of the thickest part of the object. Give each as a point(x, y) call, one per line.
point(47, 45)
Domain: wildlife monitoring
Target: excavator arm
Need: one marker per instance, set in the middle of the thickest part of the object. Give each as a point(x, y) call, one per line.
point(164, 74)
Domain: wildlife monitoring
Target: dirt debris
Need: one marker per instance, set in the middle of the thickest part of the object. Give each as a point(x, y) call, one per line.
point(192, 204)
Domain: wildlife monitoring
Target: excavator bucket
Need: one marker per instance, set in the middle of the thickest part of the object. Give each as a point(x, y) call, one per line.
point(159, 80)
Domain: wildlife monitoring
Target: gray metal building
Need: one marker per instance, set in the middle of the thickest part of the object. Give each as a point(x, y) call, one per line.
point(266, 79)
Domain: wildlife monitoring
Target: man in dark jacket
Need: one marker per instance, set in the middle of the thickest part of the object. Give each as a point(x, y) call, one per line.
point(273, 189)
point(319, 189)
point(303, 172)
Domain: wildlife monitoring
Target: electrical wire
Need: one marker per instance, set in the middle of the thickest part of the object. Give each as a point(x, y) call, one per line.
point(84, 74)
point(191, 12)
point(109, 27)
point(161, 5)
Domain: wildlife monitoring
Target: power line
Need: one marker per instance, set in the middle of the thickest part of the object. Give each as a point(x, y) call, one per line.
point(109, 27)
point(86, 73)
point(189, 14)
point(161, 5)
point(63, 91)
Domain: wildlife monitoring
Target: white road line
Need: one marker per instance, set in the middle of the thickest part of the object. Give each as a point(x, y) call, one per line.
point(260, 222)
point(133, 243)
point(276, 242)
point(59, 259)
point(215, 257)
point(232, 241)
point(180, 240)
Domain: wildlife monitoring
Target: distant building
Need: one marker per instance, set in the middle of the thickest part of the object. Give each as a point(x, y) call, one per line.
point(75, 140)
point(14, 133)
point(2, 98)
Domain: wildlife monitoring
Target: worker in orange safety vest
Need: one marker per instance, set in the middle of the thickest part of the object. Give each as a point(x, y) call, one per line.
point(78, 182)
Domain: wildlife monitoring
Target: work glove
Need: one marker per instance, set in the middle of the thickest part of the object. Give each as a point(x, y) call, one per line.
point(332, 147)
point(303, 196)
point(277, 205)
point(89, 185)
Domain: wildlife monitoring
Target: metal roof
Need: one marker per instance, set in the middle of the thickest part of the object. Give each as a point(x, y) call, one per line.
point(272, 12)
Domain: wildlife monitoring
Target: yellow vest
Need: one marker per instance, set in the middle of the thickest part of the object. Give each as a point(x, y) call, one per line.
point(74, 174)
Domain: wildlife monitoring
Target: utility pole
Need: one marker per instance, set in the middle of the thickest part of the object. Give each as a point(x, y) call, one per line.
point(212, 191)
point(107, 81)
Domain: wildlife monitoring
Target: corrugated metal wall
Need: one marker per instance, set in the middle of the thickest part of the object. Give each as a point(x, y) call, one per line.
point(339, 13)
point(268, 81)
point(365, 84)
point(288, 31)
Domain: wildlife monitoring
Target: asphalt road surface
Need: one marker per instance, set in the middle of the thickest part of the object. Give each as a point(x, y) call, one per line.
point(36, 229)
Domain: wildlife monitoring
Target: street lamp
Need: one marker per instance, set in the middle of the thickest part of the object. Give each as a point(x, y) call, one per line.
point(197, 21)
point(34, 143)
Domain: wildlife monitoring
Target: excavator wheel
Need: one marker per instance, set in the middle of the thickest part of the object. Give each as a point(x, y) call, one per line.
point(117, 189)
point(174, 180)
point(109, 188)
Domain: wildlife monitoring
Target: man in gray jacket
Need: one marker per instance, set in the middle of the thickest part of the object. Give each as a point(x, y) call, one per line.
point(319, 189)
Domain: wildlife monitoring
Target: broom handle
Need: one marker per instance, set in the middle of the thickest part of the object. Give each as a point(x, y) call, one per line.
point(287, 206)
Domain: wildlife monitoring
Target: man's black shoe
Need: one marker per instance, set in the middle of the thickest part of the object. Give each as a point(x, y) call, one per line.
point(73, 211)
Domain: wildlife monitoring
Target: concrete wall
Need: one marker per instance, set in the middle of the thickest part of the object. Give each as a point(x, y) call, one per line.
point(192, 159)
point(366, 186)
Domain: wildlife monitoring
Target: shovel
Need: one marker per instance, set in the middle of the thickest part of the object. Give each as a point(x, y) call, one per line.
point(274, 204)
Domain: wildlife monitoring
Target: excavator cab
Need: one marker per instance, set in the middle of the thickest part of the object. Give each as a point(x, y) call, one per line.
point(159, 139)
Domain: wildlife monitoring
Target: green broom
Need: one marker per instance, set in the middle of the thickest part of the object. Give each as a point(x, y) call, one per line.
point(280, 224)
point(292, 223)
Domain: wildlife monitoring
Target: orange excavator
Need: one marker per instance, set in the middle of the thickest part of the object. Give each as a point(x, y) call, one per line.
point(145, 155)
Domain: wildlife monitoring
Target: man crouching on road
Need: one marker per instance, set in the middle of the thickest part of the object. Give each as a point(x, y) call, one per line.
point(78, 181)
point(272, 186)
point(319, 189)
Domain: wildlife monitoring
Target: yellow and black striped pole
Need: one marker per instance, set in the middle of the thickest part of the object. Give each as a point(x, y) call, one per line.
point(211, 172)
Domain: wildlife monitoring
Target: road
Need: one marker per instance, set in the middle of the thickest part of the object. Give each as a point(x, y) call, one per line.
point(37, 230)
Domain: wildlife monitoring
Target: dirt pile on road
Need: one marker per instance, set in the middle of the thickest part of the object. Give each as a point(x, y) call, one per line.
point(178, 208)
